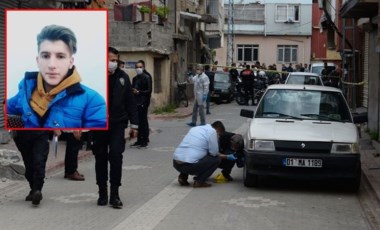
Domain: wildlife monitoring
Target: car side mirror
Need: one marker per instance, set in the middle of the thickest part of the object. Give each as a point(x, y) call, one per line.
point(360, 118)
point(246, 113)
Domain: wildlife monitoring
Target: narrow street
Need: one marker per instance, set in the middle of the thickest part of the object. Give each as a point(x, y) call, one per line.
point(153, 199)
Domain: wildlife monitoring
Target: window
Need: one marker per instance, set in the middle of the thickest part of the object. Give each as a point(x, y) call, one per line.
point(247, 53)
point(287, 13)
point(287, 53)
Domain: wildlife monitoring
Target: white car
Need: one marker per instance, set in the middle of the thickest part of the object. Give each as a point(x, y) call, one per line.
point(303, 78)
point(302, 131)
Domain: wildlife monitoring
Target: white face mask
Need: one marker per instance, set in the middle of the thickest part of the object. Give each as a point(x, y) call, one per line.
point(139, 71)
point(112, 66)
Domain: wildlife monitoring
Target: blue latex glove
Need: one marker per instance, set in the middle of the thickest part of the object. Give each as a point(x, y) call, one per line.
point(204, 97)
point(231, 157)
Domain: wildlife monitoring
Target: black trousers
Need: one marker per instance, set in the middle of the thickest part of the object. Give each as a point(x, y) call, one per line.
point(34, 148)
point(143, 134)
point(108, 146)
point(226, 166)
point(71, 153)
point(202, 170)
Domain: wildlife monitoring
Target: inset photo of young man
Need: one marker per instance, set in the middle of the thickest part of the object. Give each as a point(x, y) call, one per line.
point(56, 69)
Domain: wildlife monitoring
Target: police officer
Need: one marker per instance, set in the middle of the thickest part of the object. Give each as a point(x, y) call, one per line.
point(109, 145)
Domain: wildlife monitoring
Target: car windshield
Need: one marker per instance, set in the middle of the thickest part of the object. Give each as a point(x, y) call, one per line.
point(303, 80)
point(220, 77)
point(304, 105)
point(318, 69)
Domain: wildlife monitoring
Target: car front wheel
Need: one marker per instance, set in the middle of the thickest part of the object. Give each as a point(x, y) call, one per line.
point(250, 180)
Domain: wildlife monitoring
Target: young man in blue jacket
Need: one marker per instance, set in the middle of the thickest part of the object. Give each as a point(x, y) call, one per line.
point(54, 96)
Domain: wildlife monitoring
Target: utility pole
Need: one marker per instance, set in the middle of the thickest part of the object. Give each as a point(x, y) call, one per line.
point(230, 33)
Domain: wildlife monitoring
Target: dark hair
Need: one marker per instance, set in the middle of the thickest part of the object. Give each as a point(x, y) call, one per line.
point(55, 33)
point(142, 62)
point(218, 125)
point(207, 67)
point(113, 50)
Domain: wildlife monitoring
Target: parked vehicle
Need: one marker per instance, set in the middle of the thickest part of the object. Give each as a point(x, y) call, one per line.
point(303, 78)
point(317, 67)
point(223, 88)
point(302, 131)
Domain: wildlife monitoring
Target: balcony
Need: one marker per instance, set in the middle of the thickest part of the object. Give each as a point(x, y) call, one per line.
point(359, 9)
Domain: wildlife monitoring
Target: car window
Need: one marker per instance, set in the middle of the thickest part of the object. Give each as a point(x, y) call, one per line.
point(222, 78)
point(303, 80)
point(304, 104)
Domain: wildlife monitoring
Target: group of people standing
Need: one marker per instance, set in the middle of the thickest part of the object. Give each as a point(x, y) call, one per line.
point(53, 100)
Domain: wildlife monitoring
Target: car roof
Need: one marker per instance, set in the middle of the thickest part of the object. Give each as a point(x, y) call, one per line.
point(322, 64)
point(304, 74)
point(304, 87)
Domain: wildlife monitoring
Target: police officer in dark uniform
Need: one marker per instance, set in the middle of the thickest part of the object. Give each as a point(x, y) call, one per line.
point(142, 90)
point(109, 145)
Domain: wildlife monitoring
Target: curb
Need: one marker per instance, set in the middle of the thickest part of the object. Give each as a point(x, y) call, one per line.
point(164, 117)
point(60, 164)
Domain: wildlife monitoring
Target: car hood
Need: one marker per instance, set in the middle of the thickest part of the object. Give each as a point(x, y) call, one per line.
point(302, 130)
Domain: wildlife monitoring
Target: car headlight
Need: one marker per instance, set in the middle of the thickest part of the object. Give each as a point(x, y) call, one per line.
point(343, 148)
point(261, 145)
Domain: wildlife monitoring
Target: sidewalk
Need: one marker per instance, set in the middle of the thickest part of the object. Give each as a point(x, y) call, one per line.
point(13, 169)
point(370, 158)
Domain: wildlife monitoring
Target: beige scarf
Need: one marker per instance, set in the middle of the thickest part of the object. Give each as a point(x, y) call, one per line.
point(40, 99)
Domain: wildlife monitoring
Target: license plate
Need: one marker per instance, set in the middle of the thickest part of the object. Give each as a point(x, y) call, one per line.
point(299, 162)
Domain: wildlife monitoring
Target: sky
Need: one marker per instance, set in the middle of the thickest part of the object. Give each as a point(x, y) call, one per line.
point(90, 28)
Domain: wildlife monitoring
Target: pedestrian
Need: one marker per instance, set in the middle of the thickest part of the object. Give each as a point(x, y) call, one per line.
point(198, 155)
point(290, 68)
point(109, 145)
point(73, 145)
point(211, 76)
point(34, 148)
point(201, 88)
point(234, 73)
point(247, 78)
point(142, 91)
point(54, 96)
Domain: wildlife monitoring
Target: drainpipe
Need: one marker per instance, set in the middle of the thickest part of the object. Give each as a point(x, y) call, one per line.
point(265, 20)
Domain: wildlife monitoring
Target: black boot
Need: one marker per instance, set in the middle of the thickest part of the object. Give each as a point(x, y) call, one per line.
point(114, 197)
point(103, 196)
point(36, 197)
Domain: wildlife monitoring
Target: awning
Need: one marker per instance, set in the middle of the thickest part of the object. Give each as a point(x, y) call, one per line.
point(190, 16)
point(359, 9)
point(198, 18)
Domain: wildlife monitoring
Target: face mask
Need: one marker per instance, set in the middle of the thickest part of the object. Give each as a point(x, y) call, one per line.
point(139, 71)
point(112, 66)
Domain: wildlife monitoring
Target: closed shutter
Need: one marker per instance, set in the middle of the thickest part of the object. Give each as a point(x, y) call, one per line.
point(365, 70)
point(3, 5)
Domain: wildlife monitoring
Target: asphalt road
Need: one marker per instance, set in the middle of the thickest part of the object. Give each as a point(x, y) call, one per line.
point(154, 200)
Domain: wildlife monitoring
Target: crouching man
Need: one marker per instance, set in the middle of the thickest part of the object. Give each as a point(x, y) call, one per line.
point(198, 154)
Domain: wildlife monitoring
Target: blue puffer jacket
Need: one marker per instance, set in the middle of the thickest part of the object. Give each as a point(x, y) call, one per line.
point(75, 107)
